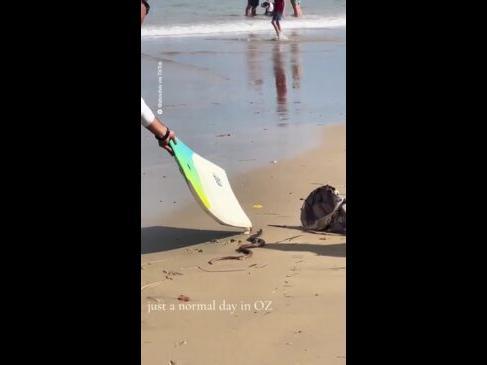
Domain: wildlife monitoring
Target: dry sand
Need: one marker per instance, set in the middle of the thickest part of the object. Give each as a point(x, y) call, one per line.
point(288, 297)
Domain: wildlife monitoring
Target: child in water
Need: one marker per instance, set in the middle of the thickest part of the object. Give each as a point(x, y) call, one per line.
point(269, 7)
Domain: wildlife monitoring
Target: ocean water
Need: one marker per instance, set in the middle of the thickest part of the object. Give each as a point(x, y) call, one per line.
point(203, 17)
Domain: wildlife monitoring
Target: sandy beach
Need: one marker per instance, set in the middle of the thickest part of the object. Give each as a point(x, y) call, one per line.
point(283, 305)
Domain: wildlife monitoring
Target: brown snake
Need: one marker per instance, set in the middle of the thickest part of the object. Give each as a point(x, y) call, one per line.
point(255, 241)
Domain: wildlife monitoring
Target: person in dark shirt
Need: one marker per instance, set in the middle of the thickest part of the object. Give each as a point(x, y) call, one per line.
point(251, 9)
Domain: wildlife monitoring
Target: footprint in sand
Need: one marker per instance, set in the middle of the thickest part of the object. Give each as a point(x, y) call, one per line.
point(286, 284)
point(169, 275)
point(153, 299)
point(294, 269)
point(291, 275)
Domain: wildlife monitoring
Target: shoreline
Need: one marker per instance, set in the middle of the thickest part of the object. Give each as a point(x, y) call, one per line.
point(337, 32)
point(252, 25)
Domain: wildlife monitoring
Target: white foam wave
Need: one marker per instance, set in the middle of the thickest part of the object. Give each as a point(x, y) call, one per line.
point(241, 26)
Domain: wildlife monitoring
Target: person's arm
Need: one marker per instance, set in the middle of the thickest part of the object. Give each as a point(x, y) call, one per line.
point(159, 129)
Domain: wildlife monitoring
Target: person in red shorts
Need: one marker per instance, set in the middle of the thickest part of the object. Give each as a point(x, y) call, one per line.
point(277, 17)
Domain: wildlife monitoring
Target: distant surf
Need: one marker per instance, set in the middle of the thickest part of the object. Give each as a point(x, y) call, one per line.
point(254, 25)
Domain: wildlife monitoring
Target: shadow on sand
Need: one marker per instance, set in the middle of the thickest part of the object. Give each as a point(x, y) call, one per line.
point(157, 239)
point(336, 250)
